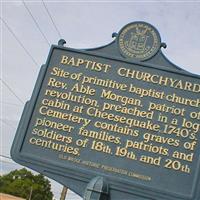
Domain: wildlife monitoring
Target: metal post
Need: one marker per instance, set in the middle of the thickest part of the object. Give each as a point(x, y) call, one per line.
point(97, 189)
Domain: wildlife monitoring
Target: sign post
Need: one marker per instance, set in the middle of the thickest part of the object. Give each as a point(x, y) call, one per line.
point(116, 122)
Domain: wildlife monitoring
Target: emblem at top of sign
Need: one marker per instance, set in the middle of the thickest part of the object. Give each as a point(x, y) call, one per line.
point(139, 41)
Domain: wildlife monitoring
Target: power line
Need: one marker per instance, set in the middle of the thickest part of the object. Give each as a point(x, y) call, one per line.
point(3, 156)
point(5, 161)
point(49, 14)
point(8, 162)
point(7, 157)
point(8, 124)
point(18, 40)
point(36, 23)
point(11, 90)
point(11, 104)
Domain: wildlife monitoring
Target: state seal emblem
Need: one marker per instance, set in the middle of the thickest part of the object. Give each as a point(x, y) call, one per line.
point(139, 40)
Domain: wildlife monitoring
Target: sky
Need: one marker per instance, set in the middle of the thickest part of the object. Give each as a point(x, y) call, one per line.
point(83, 24)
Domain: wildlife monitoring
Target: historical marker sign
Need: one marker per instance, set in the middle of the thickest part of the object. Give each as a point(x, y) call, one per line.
point(135, 124)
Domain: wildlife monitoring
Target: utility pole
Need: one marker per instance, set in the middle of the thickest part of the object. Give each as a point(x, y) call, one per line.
point(30, 195)
point(63, 193)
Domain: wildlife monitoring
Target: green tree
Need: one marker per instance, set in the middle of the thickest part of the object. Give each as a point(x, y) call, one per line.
point(23, 183)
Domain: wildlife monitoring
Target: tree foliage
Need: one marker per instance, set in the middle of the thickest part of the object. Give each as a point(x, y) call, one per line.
point(23, 183)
